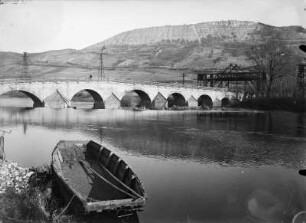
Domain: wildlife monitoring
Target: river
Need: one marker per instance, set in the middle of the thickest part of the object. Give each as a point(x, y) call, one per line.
point(195, 166)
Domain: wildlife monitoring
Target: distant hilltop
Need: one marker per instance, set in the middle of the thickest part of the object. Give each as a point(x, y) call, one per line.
point(225, 31)
point(155, 53)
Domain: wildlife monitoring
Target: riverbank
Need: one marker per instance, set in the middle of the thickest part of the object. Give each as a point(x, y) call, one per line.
point(13, 176)
point(270, 104)
point(14, 189)
point(22, 193)
point(31, 195)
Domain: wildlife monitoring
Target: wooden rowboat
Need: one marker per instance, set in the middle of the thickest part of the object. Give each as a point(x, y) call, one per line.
point(93, 179)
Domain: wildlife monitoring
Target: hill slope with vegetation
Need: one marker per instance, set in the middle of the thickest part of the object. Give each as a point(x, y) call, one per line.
point(159, 53)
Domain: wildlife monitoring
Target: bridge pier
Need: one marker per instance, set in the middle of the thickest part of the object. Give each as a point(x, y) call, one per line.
point(57, 104)
point(98, 105)
point(192, 102)
point(37, 104)
point(55, 100)
point(112, 102)
point(217, 103)
point(159, 102)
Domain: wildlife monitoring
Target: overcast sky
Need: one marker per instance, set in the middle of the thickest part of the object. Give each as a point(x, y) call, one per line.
point(36, 26)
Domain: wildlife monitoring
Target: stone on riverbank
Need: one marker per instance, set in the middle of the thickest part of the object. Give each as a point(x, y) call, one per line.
point(12, 175)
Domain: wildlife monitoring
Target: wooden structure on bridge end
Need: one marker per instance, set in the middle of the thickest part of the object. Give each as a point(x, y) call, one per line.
point(233, 77)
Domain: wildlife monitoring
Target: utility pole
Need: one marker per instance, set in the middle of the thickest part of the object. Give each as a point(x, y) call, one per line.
point(301, 76)
point(24, 66)
point(101, 62)
point(301, 80)
point(183, 79)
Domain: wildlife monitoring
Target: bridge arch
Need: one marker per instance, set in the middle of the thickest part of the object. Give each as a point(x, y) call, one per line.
point(225, 102)
point(136, 98)
point(205, 101)
point(176, 100)
point(37, 102)
point(83, 96)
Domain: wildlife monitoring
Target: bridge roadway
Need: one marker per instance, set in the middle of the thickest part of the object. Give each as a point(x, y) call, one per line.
point(59, 93)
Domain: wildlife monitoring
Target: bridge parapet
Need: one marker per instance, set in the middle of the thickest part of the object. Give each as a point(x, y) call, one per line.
point(86, 80)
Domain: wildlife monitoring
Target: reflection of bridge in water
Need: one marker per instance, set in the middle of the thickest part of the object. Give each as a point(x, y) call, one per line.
point(60, 93)
point(199, 138)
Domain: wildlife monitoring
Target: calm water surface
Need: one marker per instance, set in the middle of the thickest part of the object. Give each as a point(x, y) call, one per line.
point(195, 167)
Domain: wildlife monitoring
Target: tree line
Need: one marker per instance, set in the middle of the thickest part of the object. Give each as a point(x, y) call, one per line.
point(276, 60)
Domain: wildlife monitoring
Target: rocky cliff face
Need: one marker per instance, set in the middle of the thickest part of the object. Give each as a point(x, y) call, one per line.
point(197, 46)
point(228, 31)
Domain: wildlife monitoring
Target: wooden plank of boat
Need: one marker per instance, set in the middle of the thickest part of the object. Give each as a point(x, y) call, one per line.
point(96, 178)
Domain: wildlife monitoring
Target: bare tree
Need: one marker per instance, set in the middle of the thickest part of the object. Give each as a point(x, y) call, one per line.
point(272, 59)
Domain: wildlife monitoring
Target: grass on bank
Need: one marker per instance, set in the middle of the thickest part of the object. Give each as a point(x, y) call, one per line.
point(23, 204)
point(274, 103)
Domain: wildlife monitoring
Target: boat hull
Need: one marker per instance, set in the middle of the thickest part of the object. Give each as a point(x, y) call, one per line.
point(93, 179)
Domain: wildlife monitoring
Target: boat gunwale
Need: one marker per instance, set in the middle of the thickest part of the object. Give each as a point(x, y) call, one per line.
point(127, 167)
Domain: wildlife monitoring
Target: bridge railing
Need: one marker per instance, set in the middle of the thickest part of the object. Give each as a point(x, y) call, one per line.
point(4, 81)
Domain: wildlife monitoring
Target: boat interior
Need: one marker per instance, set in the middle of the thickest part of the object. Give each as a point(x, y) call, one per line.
point(96, 173)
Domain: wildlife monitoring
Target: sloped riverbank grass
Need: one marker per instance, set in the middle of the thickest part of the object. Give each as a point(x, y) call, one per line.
point(22, 194)
point(16, 195)
point(277, 103)
point(12, 175)
point(29, 195)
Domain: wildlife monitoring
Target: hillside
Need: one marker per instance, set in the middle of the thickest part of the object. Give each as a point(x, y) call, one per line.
point(228, 31)
point(156, 53)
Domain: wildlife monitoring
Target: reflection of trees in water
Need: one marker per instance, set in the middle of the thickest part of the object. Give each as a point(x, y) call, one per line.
point(25, 127)
point(270, 123)
point(234, 148)
point(300, 125)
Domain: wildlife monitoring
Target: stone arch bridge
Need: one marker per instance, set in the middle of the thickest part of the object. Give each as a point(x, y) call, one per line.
point(109, 95)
